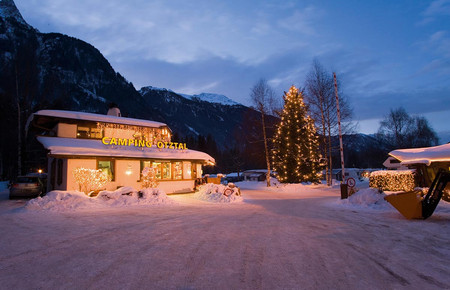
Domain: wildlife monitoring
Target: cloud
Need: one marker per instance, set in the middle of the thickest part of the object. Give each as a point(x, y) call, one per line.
point(434, 10)
point(302, 20)
point(438, 7)
point(181, 31)
point(436, 45)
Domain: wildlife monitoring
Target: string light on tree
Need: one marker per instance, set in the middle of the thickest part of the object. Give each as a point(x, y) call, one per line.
point(296, 155)
point(149, 178)
point(90, 180)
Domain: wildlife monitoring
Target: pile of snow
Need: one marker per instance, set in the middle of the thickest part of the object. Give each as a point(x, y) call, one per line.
point(128, 196)
point(368, 197)
point(58, 200)
point(219, 193)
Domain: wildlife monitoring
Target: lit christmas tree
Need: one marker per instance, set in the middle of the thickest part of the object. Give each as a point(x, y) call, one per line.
point(296, 155)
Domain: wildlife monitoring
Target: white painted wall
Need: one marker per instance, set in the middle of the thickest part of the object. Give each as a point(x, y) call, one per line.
point(124, 179)
point(67, 130)
point(179, 186)
point(119, 133)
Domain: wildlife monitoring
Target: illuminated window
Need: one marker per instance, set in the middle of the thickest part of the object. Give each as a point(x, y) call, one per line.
point(166, 172)
point(157, 166)
point(143, 165)
point(163, 170)
point(87, 132)
point(187, 174)
point(107, 166)
point(83, 132)
point(177, 170)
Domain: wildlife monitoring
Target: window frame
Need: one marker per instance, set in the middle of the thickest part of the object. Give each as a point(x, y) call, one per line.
point(112, 166)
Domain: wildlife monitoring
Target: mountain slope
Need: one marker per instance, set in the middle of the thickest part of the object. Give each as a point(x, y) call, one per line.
point(197, 117)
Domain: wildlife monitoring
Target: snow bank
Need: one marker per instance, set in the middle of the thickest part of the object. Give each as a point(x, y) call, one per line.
point(128, 196)
point(368, 197)
point(219, 193)
point(58, 200)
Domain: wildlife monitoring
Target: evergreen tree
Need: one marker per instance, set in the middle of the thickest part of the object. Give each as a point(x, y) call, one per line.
point(296, 147)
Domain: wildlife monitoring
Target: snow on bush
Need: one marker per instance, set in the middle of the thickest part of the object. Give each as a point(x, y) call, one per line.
point(219, 193)
point(393, 180)
point(66, 200)
point(368, 197)
point(149, 178)
point(90, 179)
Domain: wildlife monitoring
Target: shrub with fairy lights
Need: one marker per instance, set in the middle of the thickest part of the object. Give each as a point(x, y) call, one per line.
point(296, 156)
point(149, 178)
point(90, 180)
point(393, 180)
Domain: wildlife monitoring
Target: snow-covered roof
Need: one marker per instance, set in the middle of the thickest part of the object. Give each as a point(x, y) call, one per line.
point(88, 147)
point(425, 155)
point(98, 118)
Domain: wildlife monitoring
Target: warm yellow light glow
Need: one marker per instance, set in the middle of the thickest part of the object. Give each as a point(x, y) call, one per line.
point(129, 170)
point(39, 171)
point(393, 180)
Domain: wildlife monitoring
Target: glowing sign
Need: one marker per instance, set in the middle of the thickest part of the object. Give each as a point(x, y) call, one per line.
point(142, 143)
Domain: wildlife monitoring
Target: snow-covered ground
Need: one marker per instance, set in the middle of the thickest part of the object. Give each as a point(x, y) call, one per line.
point(285, 237)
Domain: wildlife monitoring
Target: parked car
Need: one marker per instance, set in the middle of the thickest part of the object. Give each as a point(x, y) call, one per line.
point(27, 186)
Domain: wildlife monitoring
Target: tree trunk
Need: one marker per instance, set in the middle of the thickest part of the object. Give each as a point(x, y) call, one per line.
point(266, 149)
point(325, 149)
point(19, 137)
point(331, 158)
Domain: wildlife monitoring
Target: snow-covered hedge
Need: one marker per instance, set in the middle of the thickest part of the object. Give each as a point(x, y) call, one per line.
point(393, 180)
point(219, 193)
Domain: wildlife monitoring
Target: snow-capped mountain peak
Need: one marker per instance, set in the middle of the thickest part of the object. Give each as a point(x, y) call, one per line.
point(211, 98)
point(143, 90)
point(9, 10)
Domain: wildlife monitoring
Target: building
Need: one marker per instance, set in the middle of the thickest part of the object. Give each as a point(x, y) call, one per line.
point(392, 163)
point(427, 161)
point(256, 175)
point(120, 147)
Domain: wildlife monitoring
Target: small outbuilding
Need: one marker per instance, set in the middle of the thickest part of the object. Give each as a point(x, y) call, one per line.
point(427, 161)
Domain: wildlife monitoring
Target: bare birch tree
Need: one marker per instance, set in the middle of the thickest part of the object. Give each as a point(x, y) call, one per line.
point(263, 98)
point(321, 99)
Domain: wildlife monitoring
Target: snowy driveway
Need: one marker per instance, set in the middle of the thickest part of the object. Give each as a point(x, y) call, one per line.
point(298, 239)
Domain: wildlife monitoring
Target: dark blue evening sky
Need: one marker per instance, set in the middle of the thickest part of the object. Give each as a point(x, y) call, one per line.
point(386, 53)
